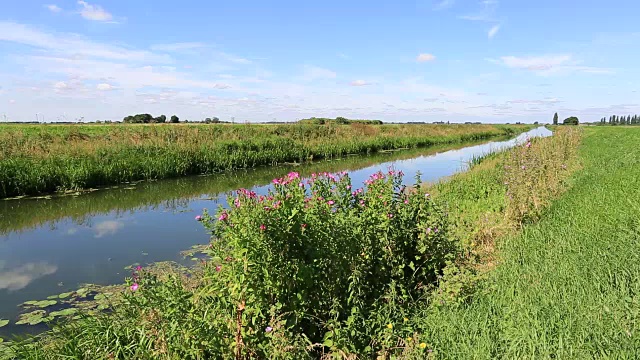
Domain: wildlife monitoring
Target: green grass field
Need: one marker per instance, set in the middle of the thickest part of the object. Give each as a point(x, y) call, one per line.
point(566, 287)
point(37, 159)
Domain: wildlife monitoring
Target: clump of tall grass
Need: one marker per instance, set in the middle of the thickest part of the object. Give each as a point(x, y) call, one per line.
point(535, 173)
point(497, 197)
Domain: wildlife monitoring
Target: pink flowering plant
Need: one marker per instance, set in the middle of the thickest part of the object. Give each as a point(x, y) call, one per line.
point(317, 260)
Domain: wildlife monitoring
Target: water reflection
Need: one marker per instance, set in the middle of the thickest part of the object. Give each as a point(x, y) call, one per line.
point(20, 277)
point(106, 227)
point(171, 195)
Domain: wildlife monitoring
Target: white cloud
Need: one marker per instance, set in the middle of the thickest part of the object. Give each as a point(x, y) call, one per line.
point(444, 4)
point(53, 8)
point(311, 73)
point(493, 31)
point(544, 62)
point(177, 47)
point(425, 57)
point(94, 12)
point(104, 87)
point(72, 45)
point(360, 83)
point(486, 13)
point(12, 101)
point(61, 85)
point(234, 59)
point(548, 65)
point(123, 75)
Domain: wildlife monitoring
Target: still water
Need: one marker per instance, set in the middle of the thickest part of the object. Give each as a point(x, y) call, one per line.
point(50, 246)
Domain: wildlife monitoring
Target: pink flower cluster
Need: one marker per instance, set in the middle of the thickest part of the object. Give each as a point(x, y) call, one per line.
point(247, 193)
point(287, 179)
point(373, 178)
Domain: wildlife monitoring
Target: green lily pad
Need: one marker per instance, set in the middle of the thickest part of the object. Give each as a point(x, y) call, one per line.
point(65, 312)
point(32, 318)
point(40, 304)
point(3, 322)
point(99, 297)
point(82, 292)
point(65, 295)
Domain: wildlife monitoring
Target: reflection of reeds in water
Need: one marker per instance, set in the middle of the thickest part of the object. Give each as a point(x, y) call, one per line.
point(173, 194)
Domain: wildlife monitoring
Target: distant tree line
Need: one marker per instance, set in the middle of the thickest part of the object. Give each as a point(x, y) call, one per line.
point(620, 120)
point(339, 120)
point(572, 120)
point(149, 119)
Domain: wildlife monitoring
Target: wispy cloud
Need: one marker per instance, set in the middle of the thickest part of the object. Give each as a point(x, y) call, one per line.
point(359, 83)
point(444, 4)
point(425, 57)
point(493, 31)
point(486, 13)
point(344, 56)
point(72, 45)
point(534, 63)
point(104, 87)
point(234, 58)
point(546, 65)
point(177, 47)
point(94, 12)
point(53, 8)
point(311, 73)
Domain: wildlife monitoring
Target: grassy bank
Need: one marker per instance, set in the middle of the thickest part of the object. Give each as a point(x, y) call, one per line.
point(319, 268)
point(36, 159)
point(566, 287)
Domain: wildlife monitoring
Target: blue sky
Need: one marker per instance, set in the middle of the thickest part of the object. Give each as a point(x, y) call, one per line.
point(421, 60)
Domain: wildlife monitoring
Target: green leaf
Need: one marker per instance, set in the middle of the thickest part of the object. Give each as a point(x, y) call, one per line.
point(65, 295)
point(3, 322)
point(32, 318)
point(40, 304)
point(65, 312)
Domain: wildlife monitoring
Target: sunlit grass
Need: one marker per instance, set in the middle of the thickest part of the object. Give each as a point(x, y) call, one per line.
point(567, 286)
point(38, 159)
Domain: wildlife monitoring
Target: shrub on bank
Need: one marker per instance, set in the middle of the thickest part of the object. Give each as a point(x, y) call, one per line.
point(322, 262)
